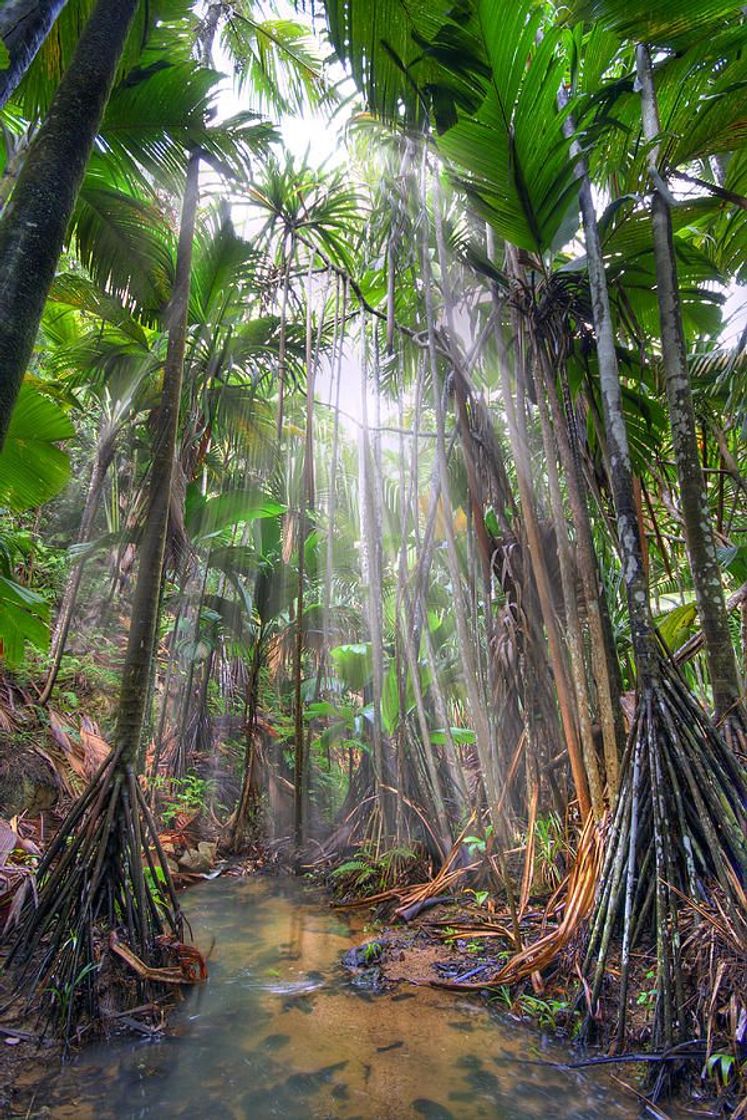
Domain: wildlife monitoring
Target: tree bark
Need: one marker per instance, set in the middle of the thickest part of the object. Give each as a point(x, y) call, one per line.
point(32, 231)
point(143, 625)
point(24, 25)
point(701, 545)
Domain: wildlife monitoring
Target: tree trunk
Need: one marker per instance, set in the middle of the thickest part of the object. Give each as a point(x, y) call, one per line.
point(141, 640)
point(574, 634)
point(32, 231)
point(701, 546)
point(307, 503)
point(24, 25)
point(101, 463)
point(475, 697)
point(516, 423)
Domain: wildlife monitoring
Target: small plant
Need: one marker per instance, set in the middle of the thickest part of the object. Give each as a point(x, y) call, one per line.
point(503, 996)
point(372, 951)
point(62, 995)
point(369, 872)
point(480, 897)
point(188, 795)
point(549, 843)
point(155, 885)
point(476, 845)
point(548, 1013)
point(647, 996)
point(721, 1068)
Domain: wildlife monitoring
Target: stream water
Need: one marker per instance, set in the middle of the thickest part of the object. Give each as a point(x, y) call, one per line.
point(281, 1031)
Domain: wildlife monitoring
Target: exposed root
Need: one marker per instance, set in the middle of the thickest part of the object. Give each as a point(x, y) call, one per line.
point(678, 833)
point(104, 881)
point(579, 899)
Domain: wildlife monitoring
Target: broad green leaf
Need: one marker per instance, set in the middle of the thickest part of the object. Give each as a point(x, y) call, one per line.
point(354, 664)
point(204, 517)
point(510, 154)
point(734, 560)
point(459, 734)
point(23, 618)
point(675, 625)
point(32, 468)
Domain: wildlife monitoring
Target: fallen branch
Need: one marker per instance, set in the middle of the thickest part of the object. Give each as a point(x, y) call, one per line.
point(183, 973)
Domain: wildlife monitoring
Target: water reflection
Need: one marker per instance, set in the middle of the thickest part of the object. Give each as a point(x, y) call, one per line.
point(279, 1031)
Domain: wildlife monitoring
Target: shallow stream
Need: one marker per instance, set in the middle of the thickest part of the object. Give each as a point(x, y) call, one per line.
point(281, 1031)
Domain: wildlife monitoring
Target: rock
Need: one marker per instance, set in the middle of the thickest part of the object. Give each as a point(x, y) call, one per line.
point(195, 862)
point(27, 782)
point(362, 956)
point(208, 849)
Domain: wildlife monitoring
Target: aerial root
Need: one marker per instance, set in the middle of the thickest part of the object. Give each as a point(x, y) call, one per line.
point(678, 833)
point(105, 892)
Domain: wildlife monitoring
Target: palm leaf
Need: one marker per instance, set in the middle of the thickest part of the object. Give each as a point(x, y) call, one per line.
point(124, 243)
point(32, 468)
point(673, 21)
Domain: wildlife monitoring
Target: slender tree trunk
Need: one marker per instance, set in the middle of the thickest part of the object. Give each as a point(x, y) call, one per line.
point(518, 436)
point(371, 532)
point(701, 546)
point(574, 634)
point(248, 781)
point(282, 344)
point(143, 626)
point(600, 643)
point(34, 222)
point(476, 700)
point(104, 864)
point(307, 503)
point(24, 25)
point(101, 463)
point(337, 359)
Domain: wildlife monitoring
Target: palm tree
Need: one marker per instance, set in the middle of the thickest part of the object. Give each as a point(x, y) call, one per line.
point(701, 544)
point(96, 861)
point(33, 226)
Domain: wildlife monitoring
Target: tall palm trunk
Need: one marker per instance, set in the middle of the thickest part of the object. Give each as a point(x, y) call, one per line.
point(307, 504)
point(516, 423)
point(701, 545)
point(32, 231)
point(475, 695)
point(24, 25)
point(141, 640)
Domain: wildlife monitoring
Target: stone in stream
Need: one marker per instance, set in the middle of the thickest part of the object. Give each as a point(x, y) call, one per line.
point(276, 1041)
point(199, 860)
point(432, 1110)
point(304, 1083)
point(361, 956)
point(303, 1002)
